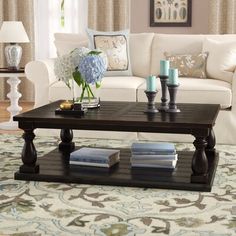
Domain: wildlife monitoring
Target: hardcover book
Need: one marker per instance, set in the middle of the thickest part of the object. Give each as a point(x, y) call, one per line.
point(155, 162)
point(94, 164)
point(158, 165)
point(153, 152)
point(100, 157)
point(152, 166)
point(153, 149)
point(170, 157)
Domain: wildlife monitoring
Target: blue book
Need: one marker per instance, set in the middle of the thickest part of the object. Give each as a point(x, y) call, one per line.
point(153, 148)
point(156, 153)
point(81, 163)
point(95, 157)
point(166, 163)
point(155, 157)
point(154, 166)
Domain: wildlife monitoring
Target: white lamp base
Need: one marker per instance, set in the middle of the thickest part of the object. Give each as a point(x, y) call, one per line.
point(13, 53)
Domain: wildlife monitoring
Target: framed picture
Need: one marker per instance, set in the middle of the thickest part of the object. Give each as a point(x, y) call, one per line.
point(170, 13)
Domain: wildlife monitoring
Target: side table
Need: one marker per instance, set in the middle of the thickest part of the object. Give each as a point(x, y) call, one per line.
point(14, 95)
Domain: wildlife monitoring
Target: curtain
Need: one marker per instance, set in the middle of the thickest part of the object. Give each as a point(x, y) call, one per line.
point(19, 10)
point(222, 17)
point(108, 15)
point(51, 17)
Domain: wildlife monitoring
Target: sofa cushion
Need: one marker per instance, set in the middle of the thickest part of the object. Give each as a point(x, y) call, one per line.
point(120, 88)
point(140, 49)
point(117, 88)
point(116, 46)
point(189, 65)
point(173, 44)
point(140, 53)
point(192, 90)
point(181, 44)
point(65, 43)
point(221, 61)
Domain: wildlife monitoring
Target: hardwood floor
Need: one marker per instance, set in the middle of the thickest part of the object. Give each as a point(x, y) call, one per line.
point(4, 114)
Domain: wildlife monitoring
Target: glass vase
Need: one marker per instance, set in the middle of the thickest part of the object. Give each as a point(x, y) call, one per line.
point(88, 95)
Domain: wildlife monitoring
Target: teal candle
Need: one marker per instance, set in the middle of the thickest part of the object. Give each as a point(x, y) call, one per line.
point(173, 76)
point(151, 83)
point(164, 67)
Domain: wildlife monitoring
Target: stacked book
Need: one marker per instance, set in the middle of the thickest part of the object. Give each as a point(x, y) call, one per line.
point(154, 155)
point(97, 157)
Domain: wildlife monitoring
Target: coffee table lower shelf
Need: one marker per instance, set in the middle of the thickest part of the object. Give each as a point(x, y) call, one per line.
point(54, 167)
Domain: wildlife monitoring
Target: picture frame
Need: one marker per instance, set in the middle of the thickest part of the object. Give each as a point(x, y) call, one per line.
point(170, 13)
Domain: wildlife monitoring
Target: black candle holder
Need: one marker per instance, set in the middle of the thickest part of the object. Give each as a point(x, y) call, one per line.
point(164, 104)
point(151, 101)
point(172, 104)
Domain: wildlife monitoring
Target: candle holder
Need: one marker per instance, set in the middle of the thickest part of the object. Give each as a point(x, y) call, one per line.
point(172, 104)
point(151, 104)
point(164, 105)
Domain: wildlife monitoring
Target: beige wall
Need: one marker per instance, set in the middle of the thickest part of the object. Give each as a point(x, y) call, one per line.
point(140, 19)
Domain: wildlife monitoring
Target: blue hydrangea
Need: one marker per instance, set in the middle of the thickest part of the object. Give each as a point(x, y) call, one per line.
point(92, 68)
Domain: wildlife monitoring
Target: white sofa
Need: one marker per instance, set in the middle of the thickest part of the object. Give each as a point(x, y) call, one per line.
point(146, 50)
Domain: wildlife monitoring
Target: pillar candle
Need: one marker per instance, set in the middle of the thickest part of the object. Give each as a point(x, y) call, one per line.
point(164, 67)
point(151, 83)
point(173, 76)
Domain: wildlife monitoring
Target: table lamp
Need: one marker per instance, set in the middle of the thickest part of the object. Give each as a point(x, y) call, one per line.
point(13, 32)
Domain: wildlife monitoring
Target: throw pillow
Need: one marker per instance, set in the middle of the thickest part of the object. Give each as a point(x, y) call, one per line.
point(189, 65)
point(65, 42)
point(221, 61)
point(116, 46)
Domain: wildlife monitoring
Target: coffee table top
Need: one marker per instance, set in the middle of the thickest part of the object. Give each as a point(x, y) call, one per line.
point(122, 116)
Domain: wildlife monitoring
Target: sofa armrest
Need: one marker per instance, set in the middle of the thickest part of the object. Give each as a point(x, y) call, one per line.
point(41, 73)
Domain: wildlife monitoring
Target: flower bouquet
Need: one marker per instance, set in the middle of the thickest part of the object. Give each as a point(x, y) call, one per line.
point(85, 69)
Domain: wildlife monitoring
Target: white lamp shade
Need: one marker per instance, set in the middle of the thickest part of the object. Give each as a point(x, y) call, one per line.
point(13, 32)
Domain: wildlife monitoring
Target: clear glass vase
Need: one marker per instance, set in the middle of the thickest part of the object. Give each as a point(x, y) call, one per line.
point(87, 94)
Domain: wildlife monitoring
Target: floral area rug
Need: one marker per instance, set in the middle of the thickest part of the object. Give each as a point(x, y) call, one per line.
point(43, 208)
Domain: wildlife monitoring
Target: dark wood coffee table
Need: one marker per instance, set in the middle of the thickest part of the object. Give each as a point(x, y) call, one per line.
point(194, 170)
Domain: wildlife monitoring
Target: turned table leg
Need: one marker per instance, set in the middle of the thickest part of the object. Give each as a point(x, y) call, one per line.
point(199, 162)
point(29, 154)
point(211, 140)
point(66, 140)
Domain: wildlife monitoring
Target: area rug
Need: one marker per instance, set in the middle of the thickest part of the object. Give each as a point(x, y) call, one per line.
point(43, 208)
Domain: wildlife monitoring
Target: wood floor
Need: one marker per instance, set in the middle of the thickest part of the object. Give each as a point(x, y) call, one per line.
point(4, 114)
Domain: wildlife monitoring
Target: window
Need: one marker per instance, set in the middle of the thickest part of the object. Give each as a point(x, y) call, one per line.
point(62, 18)
point(68, 16)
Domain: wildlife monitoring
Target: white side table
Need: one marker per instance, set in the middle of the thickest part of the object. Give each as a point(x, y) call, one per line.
point(13, 95)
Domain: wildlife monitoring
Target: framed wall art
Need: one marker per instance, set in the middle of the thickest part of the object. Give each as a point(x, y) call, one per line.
point(170, 13)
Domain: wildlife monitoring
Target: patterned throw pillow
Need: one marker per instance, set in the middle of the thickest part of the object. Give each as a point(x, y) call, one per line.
point(116, 46)
point(189, 65)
